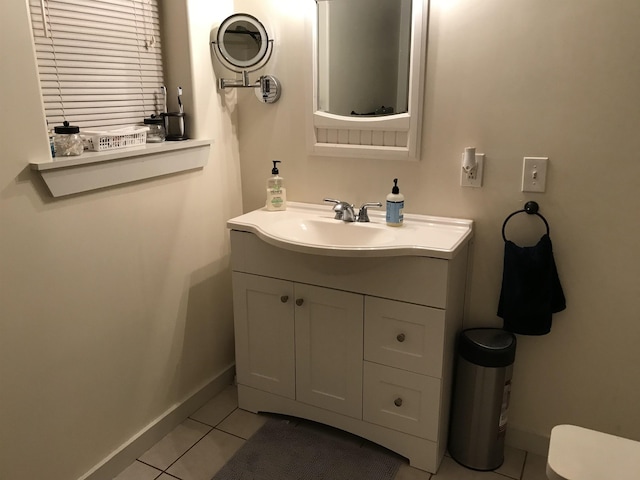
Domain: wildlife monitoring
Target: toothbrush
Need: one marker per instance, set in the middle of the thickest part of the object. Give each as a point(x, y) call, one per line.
point(181, 119)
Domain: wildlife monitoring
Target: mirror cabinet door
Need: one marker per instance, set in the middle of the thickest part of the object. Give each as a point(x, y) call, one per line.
point(363, 51)
point(368, 78)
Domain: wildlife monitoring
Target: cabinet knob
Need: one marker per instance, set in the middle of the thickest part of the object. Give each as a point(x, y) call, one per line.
point(400, 337)
point(299, 302)
point(284, 298)
point(398, 402)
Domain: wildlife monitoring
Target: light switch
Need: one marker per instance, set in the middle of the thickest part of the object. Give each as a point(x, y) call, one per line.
point(534, 174)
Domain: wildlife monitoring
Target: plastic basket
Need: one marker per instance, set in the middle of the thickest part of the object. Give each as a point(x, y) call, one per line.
point(99, 141)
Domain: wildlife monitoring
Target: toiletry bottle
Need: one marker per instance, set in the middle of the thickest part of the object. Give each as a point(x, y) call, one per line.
point(395, 205)
point(276, 193)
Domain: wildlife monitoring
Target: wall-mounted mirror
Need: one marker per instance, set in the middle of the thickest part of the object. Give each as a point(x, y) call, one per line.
point(242, 45)
point(242, 42)
point(368, 42)
point(368, 75)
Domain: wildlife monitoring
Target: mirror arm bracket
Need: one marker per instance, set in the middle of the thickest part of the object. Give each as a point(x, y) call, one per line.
point(270, 87)
point(244, 83)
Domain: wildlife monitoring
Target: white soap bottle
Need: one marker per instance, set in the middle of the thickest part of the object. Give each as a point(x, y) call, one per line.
point(395, 205)
point(276, 193)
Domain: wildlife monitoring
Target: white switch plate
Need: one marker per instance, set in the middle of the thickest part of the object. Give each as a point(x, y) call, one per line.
point(474, 180)
point(534, 174)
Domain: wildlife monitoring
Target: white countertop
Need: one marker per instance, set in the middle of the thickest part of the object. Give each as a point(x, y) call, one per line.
point(311, 228)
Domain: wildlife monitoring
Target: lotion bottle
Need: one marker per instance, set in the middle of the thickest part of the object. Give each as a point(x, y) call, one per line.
point(276, 193)
point(395, 205)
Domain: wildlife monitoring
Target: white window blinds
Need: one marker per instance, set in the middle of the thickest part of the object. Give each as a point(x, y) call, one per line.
point(100, 61)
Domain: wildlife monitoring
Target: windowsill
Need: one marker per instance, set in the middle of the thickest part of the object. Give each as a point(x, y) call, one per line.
point(93, 170)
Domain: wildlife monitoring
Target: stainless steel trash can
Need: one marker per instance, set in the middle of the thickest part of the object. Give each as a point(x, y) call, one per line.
point(481, 397)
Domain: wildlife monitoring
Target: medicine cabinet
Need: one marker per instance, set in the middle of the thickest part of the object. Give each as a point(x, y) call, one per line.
point(368, 78)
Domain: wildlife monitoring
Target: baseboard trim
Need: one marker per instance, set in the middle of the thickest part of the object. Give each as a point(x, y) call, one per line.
point(526, 440)
point(128, 452)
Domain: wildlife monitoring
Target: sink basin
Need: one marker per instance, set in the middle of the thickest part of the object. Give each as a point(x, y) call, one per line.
point(310, 228)
point(334, 233)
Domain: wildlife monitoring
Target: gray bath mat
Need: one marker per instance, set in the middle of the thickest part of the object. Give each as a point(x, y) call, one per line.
point(288, 450)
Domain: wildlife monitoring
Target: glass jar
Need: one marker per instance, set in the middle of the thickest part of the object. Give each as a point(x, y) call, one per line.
point(67, 141)
point(156, 131)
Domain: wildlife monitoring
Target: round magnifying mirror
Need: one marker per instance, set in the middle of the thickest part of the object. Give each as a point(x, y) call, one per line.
point(242, 42)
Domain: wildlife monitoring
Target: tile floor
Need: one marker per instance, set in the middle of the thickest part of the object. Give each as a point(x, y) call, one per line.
point(203, 443)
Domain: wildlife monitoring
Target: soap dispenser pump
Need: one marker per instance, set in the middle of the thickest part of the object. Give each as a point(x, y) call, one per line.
point(276, 193)
point(395, 205)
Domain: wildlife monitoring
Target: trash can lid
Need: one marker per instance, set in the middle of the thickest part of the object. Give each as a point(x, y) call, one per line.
point(488, 347)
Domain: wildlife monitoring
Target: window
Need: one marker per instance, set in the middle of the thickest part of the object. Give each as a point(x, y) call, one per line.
point(100, 61)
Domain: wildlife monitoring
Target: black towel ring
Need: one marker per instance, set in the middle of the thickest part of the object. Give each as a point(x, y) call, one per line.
point(532, 209)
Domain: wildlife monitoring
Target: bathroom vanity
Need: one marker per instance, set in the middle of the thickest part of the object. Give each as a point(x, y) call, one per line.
point(351, 325)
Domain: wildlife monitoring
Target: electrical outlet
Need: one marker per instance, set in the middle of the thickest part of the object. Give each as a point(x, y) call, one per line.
point(475, 179)
point(534, 174)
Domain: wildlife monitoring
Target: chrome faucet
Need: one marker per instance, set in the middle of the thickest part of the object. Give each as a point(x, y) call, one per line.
point(363, 215)
point(344, 211)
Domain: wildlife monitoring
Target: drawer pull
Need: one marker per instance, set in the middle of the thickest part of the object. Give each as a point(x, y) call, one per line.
point(284, 298)
point(299, 302)
point(400, 337)
point(398, 402)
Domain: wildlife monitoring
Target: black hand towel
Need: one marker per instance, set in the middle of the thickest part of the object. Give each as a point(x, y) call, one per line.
point(531, 289)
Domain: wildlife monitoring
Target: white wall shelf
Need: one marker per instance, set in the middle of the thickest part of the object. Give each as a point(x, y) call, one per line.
point(94, 170)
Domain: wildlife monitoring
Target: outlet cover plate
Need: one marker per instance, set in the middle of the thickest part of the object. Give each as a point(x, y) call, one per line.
point(474, 180)
point(534, 174)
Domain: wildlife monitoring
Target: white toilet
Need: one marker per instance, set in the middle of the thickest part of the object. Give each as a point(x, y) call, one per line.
point(577, 453)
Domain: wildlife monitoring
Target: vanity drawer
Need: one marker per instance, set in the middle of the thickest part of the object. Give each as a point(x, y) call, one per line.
point(404, 335)
point(401, 400)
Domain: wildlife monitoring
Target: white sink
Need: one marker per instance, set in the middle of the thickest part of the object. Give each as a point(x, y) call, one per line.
point(310, 228)
point(333, 233)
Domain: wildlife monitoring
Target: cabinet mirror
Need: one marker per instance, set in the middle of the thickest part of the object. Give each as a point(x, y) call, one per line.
point(368, 75)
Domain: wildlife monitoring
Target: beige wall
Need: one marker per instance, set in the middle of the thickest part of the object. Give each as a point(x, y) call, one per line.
point(115, 305)
point(514, 79)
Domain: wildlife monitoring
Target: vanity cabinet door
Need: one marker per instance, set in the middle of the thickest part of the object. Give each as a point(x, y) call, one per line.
point(264, 333)
point(329, 329)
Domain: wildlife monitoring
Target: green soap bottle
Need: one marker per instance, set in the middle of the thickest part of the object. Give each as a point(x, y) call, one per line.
point(276, 193)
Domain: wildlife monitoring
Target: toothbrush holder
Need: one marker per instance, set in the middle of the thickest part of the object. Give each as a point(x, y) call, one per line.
point(174, 125)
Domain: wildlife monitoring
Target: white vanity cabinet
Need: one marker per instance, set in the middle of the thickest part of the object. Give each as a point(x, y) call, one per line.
point(364, 344)
point(319, 363)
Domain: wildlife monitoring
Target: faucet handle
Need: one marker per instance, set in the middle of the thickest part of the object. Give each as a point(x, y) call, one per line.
point(344, 210)
point(336, 208)
point(363, 215)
